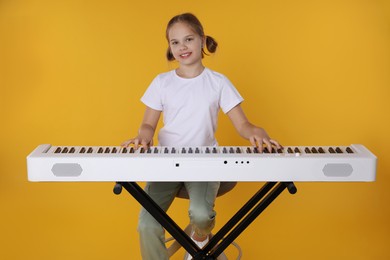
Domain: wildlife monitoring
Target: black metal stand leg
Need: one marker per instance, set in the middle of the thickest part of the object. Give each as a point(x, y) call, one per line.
point(253, 214)
point(239, 215)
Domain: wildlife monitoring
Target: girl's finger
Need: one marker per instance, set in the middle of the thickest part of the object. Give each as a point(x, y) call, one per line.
point(144, 144)
point(260, 145)
point(276, 143)
point(252, 140)
point(126, 143)
point(268, 144)
point(136, 143)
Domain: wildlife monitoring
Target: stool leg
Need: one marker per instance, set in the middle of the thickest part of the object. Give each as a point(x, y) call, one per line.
point(222, 256)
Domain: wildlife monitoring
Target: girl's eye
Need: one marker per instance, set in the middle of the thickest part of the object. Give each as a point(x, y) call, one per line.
point(189, 39)
point(173, 43)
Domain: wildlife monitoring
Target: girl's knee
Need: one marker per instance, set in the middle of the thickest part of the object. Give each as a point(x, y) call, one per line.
point(202, 218)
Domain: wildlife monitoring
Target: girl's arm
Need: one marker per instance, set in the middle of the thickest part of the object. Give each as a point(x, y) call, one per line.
point(256, 135)
point(146, 130)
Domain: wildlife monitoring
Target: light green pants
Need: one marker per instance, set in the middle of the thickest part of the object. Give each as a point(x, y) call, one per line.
point(201, 212)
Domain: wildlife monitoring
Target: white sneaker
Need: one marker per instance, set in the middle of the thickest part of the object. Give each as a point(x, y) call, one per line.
point(200, 244)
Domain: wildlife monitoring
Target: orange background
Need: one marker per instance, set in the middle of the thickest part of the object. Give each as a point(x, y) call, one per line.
point(311, 73)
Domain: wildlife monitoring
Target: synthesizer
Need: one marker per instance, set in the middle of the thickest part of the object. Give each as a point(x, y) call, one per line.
point(353, 163)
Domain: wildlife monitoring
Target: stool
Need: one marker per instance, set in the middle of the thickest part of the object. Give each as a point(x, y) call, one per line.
point(183, 194)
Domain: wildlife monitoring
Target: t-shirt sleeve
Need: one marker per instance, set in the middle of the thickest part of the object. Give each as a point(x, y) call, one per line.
point(230, 97)
point(152, 95)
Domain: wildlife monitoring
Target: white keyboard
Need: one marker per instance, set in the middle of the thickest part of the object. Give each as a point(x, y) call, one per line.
point(222, 163)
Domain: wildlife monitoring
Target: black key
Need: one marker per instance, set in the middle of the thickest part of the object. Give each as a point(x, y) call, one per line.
point(114, 150)
point(65, 150)
point(307, 150)
point(142, 150)
point(58, 150)
point(173, 150)
point(314, 150)
point(155, 150)
point(132, 150)
point(290, 150)
point(349, 150)
point(296, 150)
point(197, 150)
point(238, 150)
point(82, 150)
point(149, 150)
point(90, 150)
point(265, 150)
point(183, 150)
point(72, 150)
point(255, 150)
point(207, 150)
point(338, 150)
point(166, 150)
point(280, 150)
point(190, 150)
point(231, 150)
point(331, 150)
point(107, 150)
point(224, 150)
point(248, 150)
point(124, 150)
point(321, 150)
point(214, 150)
point(100, 150)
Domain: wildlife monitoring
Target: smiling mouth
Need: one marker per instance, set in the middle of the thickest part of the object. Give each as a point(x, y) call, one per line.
point(185, 55)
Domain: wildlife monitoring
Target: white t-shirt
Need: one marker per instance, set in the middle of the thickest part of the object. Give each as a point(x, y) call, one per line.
point(190, 106)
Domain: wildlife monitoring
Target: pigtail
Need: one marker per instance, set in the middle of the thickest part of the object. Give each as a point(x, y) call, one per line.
point(211, 44)
point(169, 55)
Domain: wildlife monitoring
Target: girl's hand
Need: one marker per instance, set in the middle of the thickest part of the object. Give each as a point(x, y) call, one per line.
point(146, 131)
point(138, 141)
point(260, 138)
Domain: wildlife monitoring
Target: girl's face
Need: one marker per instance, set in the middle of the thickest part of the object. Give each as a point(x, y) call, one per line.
point(185, 44)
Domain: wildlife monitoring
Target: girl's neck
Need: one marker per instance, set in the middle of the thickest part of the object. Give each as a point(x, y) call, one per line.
point(190, 71)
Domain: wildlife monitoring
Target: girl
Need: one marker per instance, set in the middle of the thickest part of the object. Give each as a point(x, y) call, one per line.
point(190, 98)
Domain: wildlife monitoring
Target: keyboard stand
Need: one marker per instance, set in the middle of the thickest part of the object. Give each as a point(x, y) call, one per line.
point(227, 234)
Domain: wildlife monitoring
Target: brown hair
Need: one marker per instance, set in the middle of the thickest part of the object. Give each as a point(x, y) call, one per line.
point(191, 20)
